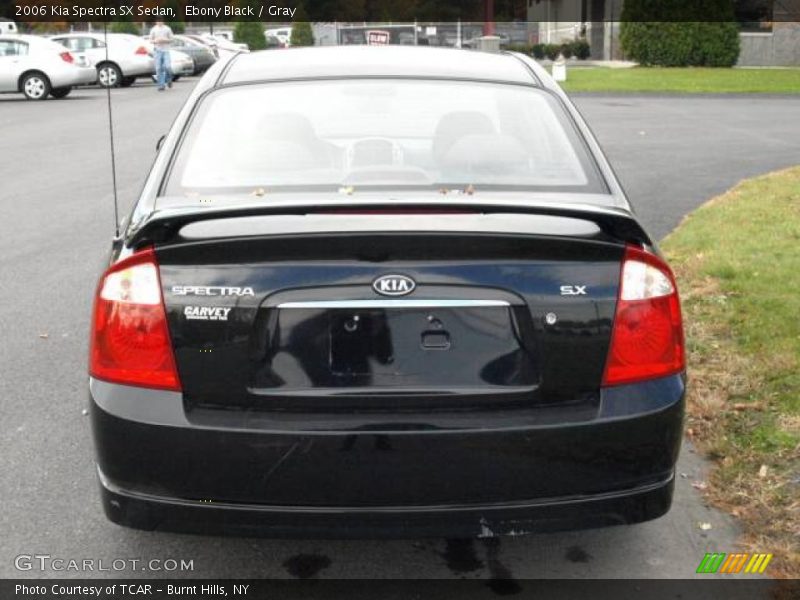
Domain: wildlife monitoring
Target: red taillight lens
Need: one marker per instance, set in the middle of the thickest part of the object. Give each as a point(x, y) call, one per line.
point(141, 50)
point(130, 340)
point(647, 338)
point(67, 57)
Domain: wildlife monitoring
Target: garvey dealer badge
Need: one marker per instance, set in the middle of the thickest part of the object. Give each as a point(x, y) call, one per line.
point(206, 313)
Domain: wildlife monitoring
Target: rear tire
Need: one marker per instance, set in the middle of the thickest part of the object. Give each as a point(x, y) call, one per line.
point(60, 92)
point(176, 77)
point(127, 82)
point(108, 75)
point(35, 86)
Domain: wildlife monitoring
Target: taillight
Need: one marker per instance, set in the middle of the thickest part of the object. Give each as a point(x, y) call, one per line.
point(141, 50)
point(130, 340)
point(647, 338)
point(67, 57)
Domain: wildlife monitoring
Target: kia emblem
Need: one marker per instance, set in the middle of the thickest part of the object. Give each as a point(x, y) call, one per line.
point(394, 285)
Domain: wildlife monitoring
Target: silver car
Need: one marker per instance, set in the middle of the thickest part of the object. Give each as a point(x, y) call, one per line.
point(40, 68)
point(180, 63)
point(126, 59)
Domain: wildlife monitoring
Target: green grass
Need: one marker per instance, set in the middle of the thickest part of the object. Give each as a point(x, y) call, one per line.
point(683, 80)
point(737, 260)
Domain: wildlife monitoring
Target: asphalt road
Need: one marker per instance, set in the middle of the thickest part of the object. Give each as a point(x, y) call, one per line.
point(56, 220)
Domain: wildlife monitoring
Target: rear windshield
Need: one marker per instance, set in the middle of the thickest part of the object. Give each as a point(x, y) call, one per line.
point(396, 134)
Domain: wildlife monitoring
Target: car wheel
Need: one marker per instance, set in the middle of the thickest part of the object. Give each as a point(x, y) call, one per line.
point(108, 75)
point(35, 86)
point(176, 77)
point(60, 92)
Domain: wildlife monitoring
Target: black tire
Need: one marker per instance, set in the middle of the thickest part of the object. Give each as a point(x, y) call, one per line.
point(176, 77)
point(35, 86)
point(127, 81)
point(108, 75)
point(60, 92)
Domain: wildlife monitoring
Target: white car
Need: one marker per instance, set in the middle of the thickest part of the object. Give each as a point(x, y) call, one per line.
point(39, 68)
point(282, 34)
point(128, 58)
point(224, 46)
point(7, 26)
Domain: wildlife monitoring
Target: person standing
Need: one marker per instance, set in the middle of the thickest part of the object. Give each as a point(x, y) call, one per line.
point(161, 37)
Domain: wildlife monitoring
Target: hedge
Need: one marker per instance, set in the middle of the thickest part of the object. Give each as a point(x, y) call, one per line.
point(578, 49)
point(649, 38)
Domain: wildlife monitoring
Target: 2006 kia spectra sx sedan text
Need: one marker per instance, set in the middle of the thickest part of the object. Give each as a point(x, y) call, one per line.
point(384, 292)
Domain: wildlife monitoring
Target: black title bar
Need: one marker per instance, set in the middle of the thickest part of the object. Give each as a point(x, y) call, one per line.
point(73, 11)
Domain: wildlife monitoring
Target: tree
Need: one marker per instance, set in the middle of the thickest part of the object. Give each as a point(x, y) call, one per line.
point(124, 27)
point(302, 34)
point(250, 33)
point(679, 33)
point(176, 26)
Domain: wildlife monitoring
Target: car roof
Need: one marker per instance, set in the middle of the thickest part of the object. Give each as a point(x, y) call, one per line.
point(85, 34)
point(24, 37)
point(378, 61)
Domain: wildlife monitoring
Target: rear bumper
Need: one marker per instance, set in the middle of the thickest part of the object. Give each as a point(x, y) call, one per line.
point(150, 512)
point(396, 475)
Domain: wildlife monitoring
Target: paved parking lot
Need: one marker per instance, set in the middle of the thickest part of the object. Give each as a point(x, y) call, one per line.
point(672, 153)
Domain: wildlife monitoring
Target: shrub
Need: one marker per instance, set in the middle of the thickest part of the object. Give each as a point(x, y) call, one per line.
point(250, 33)
point(581, 49)
point(526, 49)
point(538, 51)
point(302, 34)
point(124, 27)
point(651, 35)
point(552, 51)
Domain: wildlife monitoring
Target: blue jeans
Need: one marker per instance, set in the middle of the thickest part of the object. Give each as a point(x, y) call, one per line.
point(163, 71)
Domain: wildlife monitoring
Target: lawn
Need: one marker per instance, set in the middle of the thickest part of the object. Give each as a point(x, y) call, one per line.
point(683, 80)
point(737, 260)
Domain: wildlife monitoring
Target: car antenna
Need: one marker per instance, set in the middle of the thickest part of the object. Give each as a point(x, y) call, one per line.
point(111, 138)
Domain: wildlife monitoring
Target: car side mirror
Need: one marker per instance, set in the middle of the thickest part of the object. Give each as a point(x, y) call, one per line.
point(160, 142)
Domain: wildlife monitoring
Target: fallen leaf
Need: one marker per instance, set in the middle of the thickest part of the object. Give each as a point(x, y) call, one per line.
point(699, 485)
point(44, 336)
point(705, 526)
point(748, 406)
point(762, 472)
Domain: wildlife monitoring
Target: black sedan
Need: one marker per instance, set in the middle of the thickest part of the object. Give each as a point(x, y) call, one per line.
point(384, 291)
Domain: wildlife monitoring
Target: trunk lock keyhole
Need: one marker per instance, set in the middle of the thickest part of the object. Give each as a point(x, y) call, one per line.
point(434, 322)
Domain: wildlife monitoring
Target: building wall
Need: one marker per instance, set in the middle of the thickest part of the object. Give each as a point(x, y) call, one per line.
point(781, 48)
point(558, 20)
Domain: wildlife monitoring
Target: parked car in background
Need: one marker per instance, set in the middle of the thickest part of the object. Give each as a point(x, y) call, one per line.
point(282, 34)
point(180, 63)
point(127, 57)
point(211, 44)
point(201, 54)
point(38, 67)
point(224, 46)
point(224, 34)
point(8, 26)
